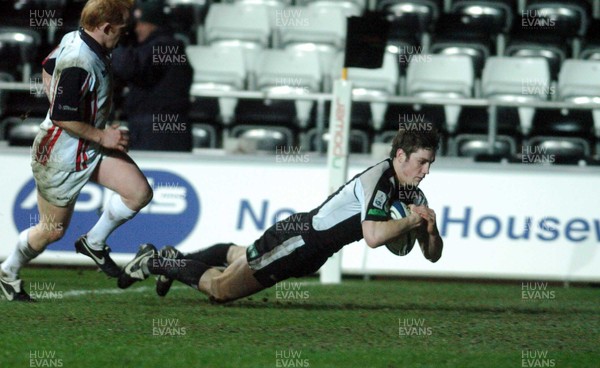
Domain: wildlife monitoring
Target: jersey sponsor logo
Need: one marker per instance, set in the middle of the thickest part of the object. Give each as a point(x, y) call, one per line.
point(376, 212)
point(380, 199)
point(169, 218)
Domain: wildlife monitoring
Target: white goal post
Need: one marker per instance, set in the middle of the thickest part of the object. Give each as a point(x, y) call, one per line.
point(337, 160)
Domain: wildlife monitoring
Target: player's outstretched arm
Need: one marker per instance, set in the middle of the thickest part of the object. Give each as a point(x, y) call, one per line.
point(111, 137)
point(428, 235)
point(377, 233)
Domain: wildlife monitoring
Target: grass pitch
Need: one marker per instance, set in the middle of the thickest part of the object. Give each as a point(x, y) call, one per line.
point(83, 320)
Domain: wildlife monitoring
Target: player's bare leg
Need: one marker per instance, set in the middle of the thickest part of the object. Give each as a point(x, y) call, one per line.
point(219, 255)
point(52, 225)
point(237, 281)
point(119, 173)
point(235, 252)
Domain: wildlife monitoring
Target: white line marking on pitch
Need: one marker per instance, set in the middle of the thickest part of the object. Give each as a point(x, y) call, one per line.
point(143, 289)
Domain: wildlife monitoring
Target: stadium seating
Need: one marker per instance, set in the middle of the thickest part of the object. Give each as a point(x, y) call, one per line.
point(569, 133)
point(21, 132)
point(239, 25)
point(350, 8)
point(322, 26)
point(538, 42)
point(496, 15)
point(565, 150)
point(4, 77)
point(568, 18)
point(456, 34)
point(376, 83)
point(472, 132)
point(440, 76)
point(321, 30)
point(434, 76)
point(247, 24)
point(204, 136)
point(358, 141)
point(517, 79)
point(290, 72)
point(18, 49)
point(258, 138)
point(218, 69)
point(591, 47)
point(404, 42)
point(423, 13)
point(187, 16)
point(579, 81)
point(246, 46)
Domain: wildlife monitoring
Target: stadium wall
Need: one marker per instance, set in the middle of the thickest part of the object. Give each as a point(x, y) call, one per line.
point(517, 221)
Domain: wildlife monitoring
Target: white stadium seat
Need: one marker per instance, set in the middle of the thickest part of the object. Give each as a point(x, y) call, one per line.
point(383, 79)
point(579, 82)
point(274, 7)
point(285, 67)
point(440, 76)
point(239, 25)
point(447, 76)
point(309, 25)
point(522, 79)
point(516, 78)
point(350, 8)
point(381, 82)
point(247, 23)
point(218, 69)
point(321, 30)
point(290, 72)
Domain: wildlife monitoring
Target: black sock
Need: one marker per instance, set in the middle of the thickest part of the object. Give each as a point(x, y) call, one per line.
point(215, 255)
point(187, 271)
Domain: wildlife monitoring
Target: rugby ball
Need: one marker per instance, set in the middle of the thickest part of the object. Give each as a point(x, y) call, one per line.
point(405, 242)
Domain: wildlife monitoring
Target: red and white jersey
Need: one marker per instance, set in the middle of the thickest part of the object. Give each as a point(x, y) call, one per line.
point(80, 89)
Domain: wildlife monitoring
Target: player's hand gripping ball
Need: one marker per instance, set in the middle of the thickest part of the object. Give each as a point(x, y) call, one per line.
point(402, 245)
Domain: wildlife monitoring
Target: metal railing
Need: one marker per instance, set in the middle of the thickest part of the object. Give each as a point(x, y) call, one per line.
point(321, 98)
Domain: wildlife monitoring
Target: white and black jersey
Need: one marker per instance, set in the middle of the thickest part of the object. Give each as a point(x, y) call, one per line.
point(80, 89)
point(300, 244)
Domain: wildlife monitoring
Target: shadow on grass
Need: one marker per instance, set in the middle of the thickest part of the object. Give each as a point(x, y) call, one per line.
point(266, 303)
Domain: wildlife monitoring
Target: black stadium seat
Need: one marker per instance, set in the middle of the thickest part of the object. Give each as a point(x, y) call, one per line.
point(204, 136)
point(538, 42)
point(496, 16)
point(456, 34)
point(556, 122)
point(21, 132)
point(253, 138)
point(18, 49)
point(591, 46)
point(359, 141)
point(472, 132)
point(419, 13)
point(566, 18)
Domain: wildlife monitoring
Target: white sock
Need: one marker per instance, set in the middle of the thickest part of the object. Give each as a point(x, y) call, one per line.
point(115, 214)
point(22, 254)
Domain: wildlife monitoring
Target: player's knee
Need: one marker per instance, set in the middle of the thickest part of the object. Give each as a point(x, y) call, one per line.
point(146, 196)
point(52, 234)
point(141, 198)
point(220, 293)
